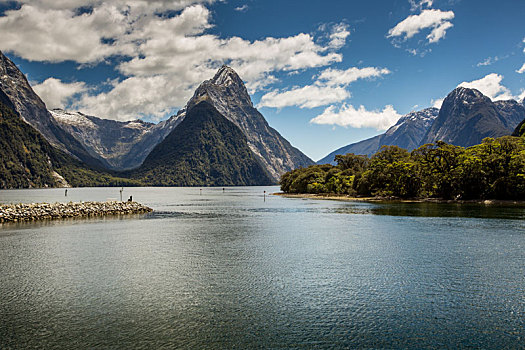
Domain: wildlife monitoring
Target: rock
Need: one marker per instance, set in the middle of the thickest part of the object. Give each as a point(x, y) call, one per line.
point(42, 211)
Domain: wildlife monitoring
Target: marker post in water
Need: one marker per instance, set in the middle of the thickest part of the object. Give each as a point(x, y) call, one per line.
point(265, 196)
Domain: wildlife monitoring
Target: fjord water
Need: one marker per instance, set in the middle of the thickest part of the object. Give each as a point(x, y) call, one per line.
point(224, 270)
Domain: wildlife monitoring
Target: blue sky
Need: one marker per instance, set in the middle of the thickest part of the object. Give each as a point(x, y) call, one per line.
point(323, 73)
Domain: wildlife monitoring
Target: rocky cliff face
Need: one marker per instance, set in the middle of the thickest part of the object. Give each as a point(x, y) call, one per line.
point(228, 94)
point(406, 133)
point(467, 117)
point(125, 145)
point(120, 145)
point(32, 110)
point(206, 149)
point(512, 112)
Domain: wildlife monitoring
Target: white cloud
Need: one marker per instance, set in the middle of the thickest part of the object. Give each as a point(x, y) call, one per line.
point(242, 8)
point(169, 54)
point(490, 86)
point(309, 96)
point(522, 69)
point(439, 32)
point(330, 87)
point(437, 20)
point(57, 94)
point(348, 115)
point(340, 33)
point(491, 60)
point(344, 77)
point(521, 96)
point(416, 5)
point(437, 102)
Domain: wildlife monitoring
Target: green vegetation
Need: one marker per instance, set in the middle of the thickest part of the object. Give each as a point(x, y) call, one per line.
point(29, 161)
point(494, 169)
point(206, 149)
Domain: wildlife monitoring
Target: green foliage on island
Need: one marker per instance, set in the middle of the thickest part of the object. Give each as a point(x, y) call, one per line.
point(494, 169)
point(29, 161)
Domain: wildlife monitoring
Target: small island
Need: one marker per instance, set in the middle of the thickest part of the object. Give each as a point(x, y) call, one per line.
point(49, 211)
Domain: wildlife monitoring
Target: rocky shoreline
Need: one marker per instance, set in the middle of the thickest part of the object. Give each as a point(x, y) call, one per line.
point(49, 211)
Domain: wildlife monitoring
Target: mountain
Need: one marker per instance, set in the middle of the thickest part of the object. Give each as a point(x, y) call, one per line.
point(119, 145)
point(228, 94)
point(28, 160)
point(520, 130)
point(206, 149)
point(467, 117)
point(406, 133)
point(33, 111)
point(125, 145)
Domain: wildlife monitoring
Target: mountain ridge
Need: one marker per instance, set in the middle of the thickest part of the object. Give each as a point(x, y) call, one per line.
point(467, 117)
point(206, 149)
point(121, 145)
point(228, 94)
point(31, 109)
point(406, 133)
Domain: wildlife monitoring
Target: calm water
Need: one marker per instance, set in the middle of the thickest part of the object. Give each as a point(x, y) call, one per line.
point(228, 270)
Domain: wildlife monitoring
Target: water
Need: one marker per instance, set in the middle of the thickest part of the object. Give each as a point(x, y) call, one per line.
point(229, 270)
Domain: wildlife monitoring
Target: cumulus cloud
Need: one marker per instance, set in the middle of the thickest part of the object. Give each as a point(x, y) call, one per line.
point(309, 96)
point(344, 77)
point(439, 21)
point(437, 102)
point(57, 94)
point(348, 115)
point(330, 87)
point(490, 86)
point(339, 35)
point(521, 96)
point(166, 45)
point(522, 69)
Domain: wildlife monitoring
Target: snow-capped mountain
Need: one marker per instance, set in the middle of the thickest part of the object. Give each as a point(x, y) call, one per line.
point(228, 94)
point(32, 110)
point(120, 145)
point(467, 117)
point(406, 133)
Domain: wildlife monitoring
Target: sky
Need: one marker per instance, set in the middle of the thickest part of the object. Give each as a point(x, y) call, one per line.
point(324, 73)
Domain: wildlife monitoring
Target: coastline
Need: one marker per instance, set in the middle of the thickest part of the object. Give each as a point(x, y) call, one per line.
point(56, 211)
point(346, 198)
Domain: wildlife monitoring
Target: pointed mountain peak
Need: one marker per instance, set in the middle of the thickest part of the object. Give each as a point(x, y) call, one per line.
point(226, 76)
point(225, 88)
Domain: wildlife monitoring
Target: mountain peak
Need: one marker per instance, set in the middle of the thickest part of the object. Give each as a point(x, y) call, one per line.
point(466, 94)
point(225, 88)
point(226, 76)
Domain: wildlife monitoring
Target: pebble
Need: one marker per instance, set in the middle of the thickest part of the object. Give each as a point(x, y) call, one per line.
point(42, 211)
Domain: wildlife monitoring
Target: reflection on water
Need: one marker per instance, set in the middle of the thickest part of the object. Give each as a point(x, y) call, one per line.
point(429, 209)
point(229, 270)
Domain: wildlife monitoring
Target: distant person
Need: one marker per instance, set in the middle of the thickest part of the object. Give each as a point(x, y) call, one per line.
point(66, 192)
point(130, 199)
